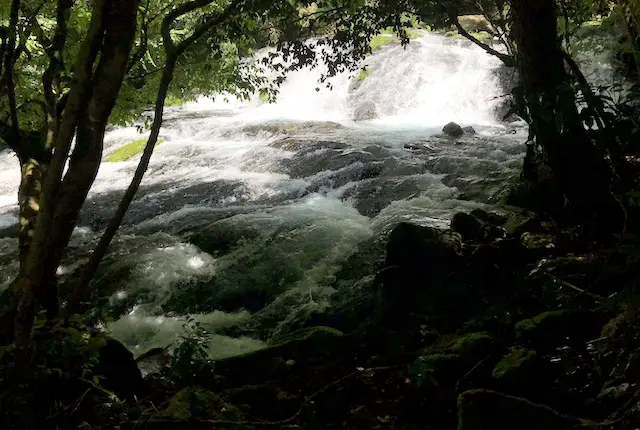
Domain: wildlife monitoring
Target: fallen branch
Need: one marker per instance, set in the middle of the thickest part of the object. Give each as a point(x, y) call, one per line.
point(580, 290)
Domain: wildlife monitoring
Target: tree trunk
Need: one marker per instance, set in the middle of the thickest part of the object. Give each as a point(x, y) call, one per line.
point(580, 168)
point(111, 33)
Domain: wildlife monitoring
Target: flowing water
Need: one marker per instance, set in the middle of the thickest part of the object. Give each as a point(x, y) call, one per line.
point(249, 211)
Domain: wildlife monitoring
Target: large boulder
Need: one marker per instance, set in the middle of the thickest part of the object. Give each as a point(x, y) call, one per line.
point(118, 371)
point(490, 410)
point(467, 225)
point(453, 130)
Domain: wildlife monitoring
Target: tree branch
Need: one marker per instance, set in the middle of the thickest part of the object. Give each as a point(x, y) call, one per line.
point(54, 52)
point(508, 60)
point(144, 41)
point(176, 13)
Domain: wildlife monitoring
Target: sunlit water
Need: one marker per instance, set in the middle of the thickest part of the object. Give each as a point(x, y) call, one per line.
point(249, 210)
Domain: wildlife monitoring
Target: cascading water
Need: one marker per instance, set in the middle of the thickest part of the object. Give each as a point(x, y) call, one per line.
point(249, 211)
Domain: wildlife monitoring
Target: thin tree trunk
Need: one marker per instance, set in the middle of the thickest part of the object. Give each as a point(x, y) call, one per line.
point(75, 302)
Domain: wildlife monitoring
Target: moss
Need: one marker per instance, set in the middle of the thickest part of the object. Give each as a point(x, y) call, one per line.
point(196, 402)
point(128, 151)
point(434, 369)
point(471, 344)
point(515, 365)
point(382, 40)
point(388, 37)
point(527, 329)
point(364, 74)
point(485, 409)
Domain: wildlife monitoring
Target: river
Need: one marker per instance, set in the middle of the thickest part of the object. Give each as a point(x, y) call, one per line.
point(249, 210)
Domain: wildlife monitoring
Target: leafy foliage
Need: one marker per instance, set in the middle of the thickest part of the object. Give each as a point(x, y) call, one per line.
point(191, 354)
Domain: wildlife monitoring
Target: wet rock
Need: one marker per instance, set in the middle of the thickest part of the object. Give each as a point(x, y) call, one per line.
point(467, 225)
point(538, 240)
point(469, 130)
point(452, 129)
point(422, 247)
point(118, 371)
point(198, 403)
point(490, 410)
point(516, 368)
point(153, 361)
point(365, 111)
point(489, 217)
point(421, 145)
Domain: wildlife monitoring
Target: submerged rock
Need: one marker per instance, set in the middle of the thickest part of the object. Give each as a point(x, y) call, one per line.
point(452, 129)
point(490, 410)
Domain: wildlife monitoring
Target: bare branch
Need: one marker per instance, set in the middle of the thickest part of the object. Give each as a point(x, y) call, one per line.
point(508, 60)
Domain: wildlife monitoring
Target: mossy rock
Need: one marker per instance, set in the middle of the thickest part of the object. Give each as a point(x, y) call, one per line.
point(129, 150)
point(198, 403)
point(434, 370)
point(271, 362)
point(516, 366)
point(490, 410)
point(622, 323)
point(553, 328)
point(444, 361)
point(468, 346)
